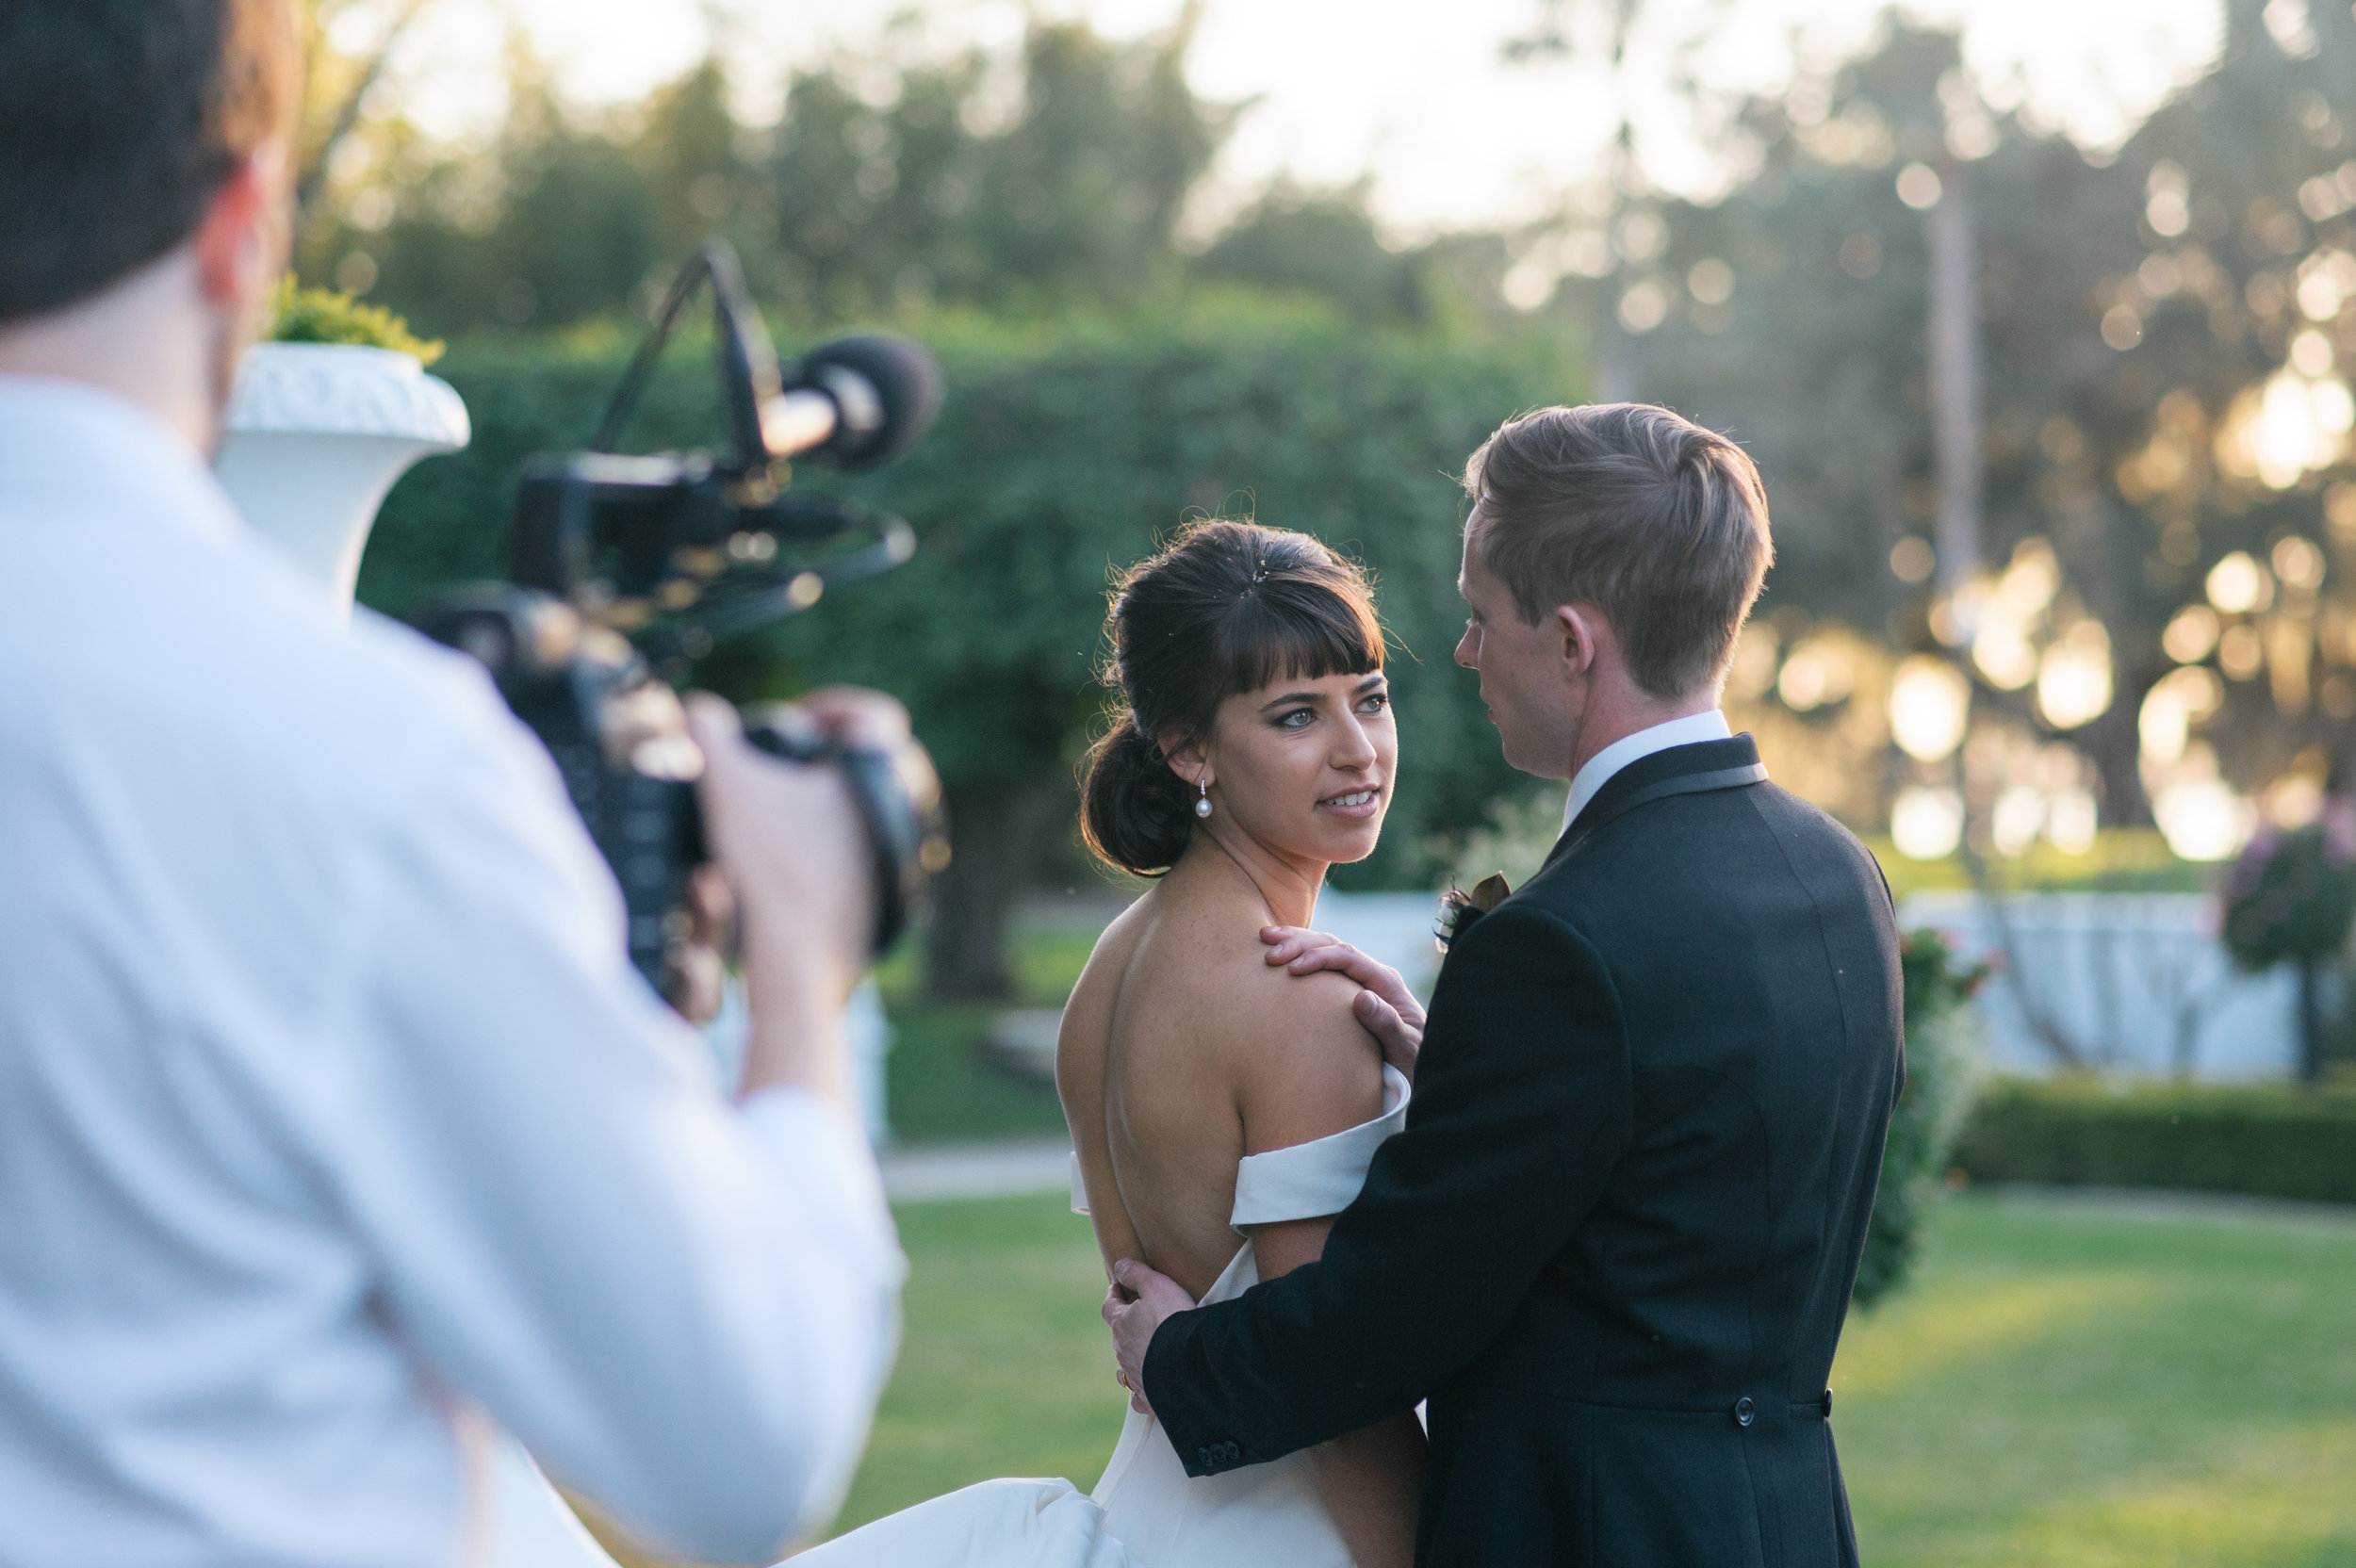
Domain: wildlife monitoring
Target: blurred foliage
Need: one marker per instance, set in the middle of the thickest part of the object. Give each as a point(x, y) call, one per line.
point(299, 315)
point(1028, 208)
point(2272, 1142)
point(1512, 839)
point(2291, 898)
point(1056, 460)
point(2122, 860)
point(2135, 313)
point(1942, 1077)
point(1027, 185)
point(2291, 895)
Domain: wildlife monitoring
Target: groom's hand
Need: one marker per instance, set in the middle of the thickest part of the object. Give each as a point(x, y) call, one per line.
point(1385, 1008)
point(1139, 1302)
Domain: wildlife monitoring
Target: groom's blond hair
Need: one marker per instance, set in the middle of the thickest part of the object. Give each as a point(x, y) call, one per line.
point(1652, 519)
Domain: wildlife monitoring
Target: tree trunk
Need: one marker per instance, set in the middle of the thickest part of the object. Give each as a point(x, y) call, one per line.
point(2309, 1025)
point(965, 945)
point(1953, 242)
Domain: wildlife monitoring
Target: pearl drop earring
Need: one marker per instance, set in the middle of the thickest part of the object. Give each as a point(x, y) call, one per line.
point(1203, 804)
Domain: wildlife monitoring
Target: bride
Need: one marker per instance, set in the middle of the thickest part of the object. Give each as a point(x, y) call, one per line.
point(1223, 1110)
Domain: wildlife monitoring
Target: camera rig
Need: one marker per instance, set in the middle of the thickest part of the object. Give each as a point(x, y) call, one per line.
point(624, 569)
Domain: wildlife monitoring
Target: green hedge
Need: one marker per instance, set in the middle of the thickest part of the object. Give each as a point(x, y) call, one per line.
point(2274, 1142)
point(1062, 452)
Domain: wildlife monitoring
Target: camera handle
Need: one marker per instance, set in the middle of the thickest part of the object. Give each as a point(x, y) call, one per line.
point(908, 836)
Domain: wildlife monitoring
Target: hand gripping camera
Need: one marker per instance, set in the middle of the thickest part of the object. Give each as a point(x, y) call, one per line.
point(623, 569)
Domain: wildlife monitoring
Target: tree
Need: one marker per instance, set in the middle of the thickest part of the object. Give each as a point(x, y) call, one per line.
point(892, 184)
point(1051, 469)
point(339, 84)
point(2132, 314)
point(1054, 462)
point(1323, 244)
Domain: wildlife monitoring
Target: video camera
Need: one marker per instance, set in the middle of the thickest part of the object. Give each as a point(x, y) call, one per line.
point(624, 569)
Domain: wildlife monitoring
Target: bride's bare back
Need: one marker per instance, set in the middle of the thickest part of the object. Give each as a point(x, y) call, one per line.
point(1181, 1051)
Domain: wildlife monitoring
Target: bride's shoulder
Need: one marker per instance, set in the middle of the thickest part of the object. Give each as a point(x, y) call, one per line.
point(1176, 958)
point(1301, 1064)
point(1207, 956)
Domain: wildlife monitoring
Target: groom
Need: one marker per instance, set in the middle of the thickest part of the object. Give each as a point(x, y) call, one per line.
point(1614, 1245)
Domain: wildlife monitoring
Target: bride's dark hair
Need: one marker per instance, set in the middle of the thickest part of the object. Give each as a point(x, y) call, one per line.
point(1226, 607)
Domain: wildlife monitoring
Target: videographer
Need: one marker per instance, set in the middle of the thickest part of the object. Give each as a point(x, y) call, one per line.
point(330, 1109)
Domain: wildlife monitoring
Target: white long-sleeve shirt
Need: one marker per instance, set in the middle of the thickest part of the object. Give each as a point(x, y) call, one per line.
point(329, 1105)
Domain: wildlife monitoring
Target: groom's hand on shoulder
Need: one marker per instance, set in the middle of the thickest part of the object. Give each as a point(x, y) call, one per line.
point(1384, 1006)
point(1139, 1302)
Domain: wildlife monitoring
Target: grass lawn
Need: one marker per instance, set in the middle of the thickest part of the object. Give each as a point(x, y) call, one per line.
point(1004, 1369)
point(2055, 1387)
point(2059, 1388)
point(938, 1085)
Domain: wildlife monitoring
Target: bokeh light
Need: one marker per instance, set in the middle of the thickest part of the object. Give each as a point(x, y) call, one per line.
point(2237, 585)
point(1926, 821)
point(2020, 814)
point(1930, 707)
point(2191, 634)
point(2299, 563)
point(1912, 560)
point(1817, 672)
point(2204, 821)
point(2072, 821)
point(2073, 679)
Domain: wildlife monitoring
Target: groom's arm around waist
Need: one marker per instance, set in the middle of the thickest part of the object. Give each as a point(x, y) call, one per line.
point(1522, 1109)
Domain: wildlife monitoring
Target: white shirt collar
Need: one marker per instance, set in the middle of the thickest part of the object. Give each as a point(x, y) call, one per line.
point(1710, 724)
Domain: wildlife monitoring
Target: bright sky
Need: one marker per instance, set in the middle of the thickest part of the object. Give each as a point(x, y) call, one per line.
point(1413, 92)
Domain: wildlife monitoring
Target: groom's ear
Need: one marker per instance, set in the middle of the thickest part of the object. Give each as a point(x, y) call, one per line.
point(1581, 632)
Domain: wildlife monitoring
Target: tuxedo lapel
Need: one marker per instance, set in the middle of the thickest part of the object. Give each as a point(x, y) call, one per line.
point(1705, 765)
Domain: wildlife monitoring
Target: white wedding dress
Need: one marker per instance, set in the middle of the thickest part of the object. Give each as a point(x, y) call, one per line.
point(1145, 1512)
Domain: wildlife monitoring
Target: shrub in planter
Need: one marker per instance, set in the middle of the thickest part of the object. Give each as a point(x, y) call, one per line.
point(300, 315)
point(1942, 1075)
point(325, 416)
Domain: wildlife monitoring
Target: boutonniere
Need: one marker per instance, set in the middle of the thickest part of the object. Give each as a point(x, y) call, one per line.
point(1459, 908)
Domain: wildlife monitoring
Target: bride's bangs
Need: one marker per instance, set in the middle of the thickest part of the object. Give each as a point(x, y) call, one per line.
point(1291, 629)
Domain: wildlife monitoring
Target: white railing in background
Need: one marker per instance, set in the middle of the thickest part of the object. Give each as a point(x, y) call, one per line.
point(2127, 983)
point(2134, 984)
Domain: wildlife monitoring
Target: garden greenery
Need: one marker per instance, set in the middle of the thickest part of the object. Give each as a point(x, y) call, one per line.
point(2261, 1140)
point(1942, 1076)
point(1063, 452)
point(299, 314)
point(2292, 895)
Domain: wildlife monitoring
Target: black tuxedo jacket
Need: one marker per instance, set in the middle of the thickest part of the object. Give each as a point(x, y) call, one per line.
point(1614, 1245)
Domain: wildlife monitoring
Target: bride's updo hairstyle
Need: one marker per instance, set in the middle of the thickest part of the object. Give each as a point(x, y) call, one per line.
point(1227, 607)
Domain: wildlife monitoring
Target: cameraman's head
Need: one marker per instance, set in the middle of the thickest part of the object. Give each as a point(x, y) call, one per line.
point(144, 178)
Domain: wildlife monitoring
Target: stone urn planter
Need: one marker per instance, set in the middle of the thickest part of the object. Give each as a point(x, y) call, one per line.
point(317, 433)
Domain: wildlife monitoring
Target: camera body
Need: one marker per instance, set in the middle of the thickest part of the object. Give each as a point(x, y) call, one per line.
point(623, 569)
